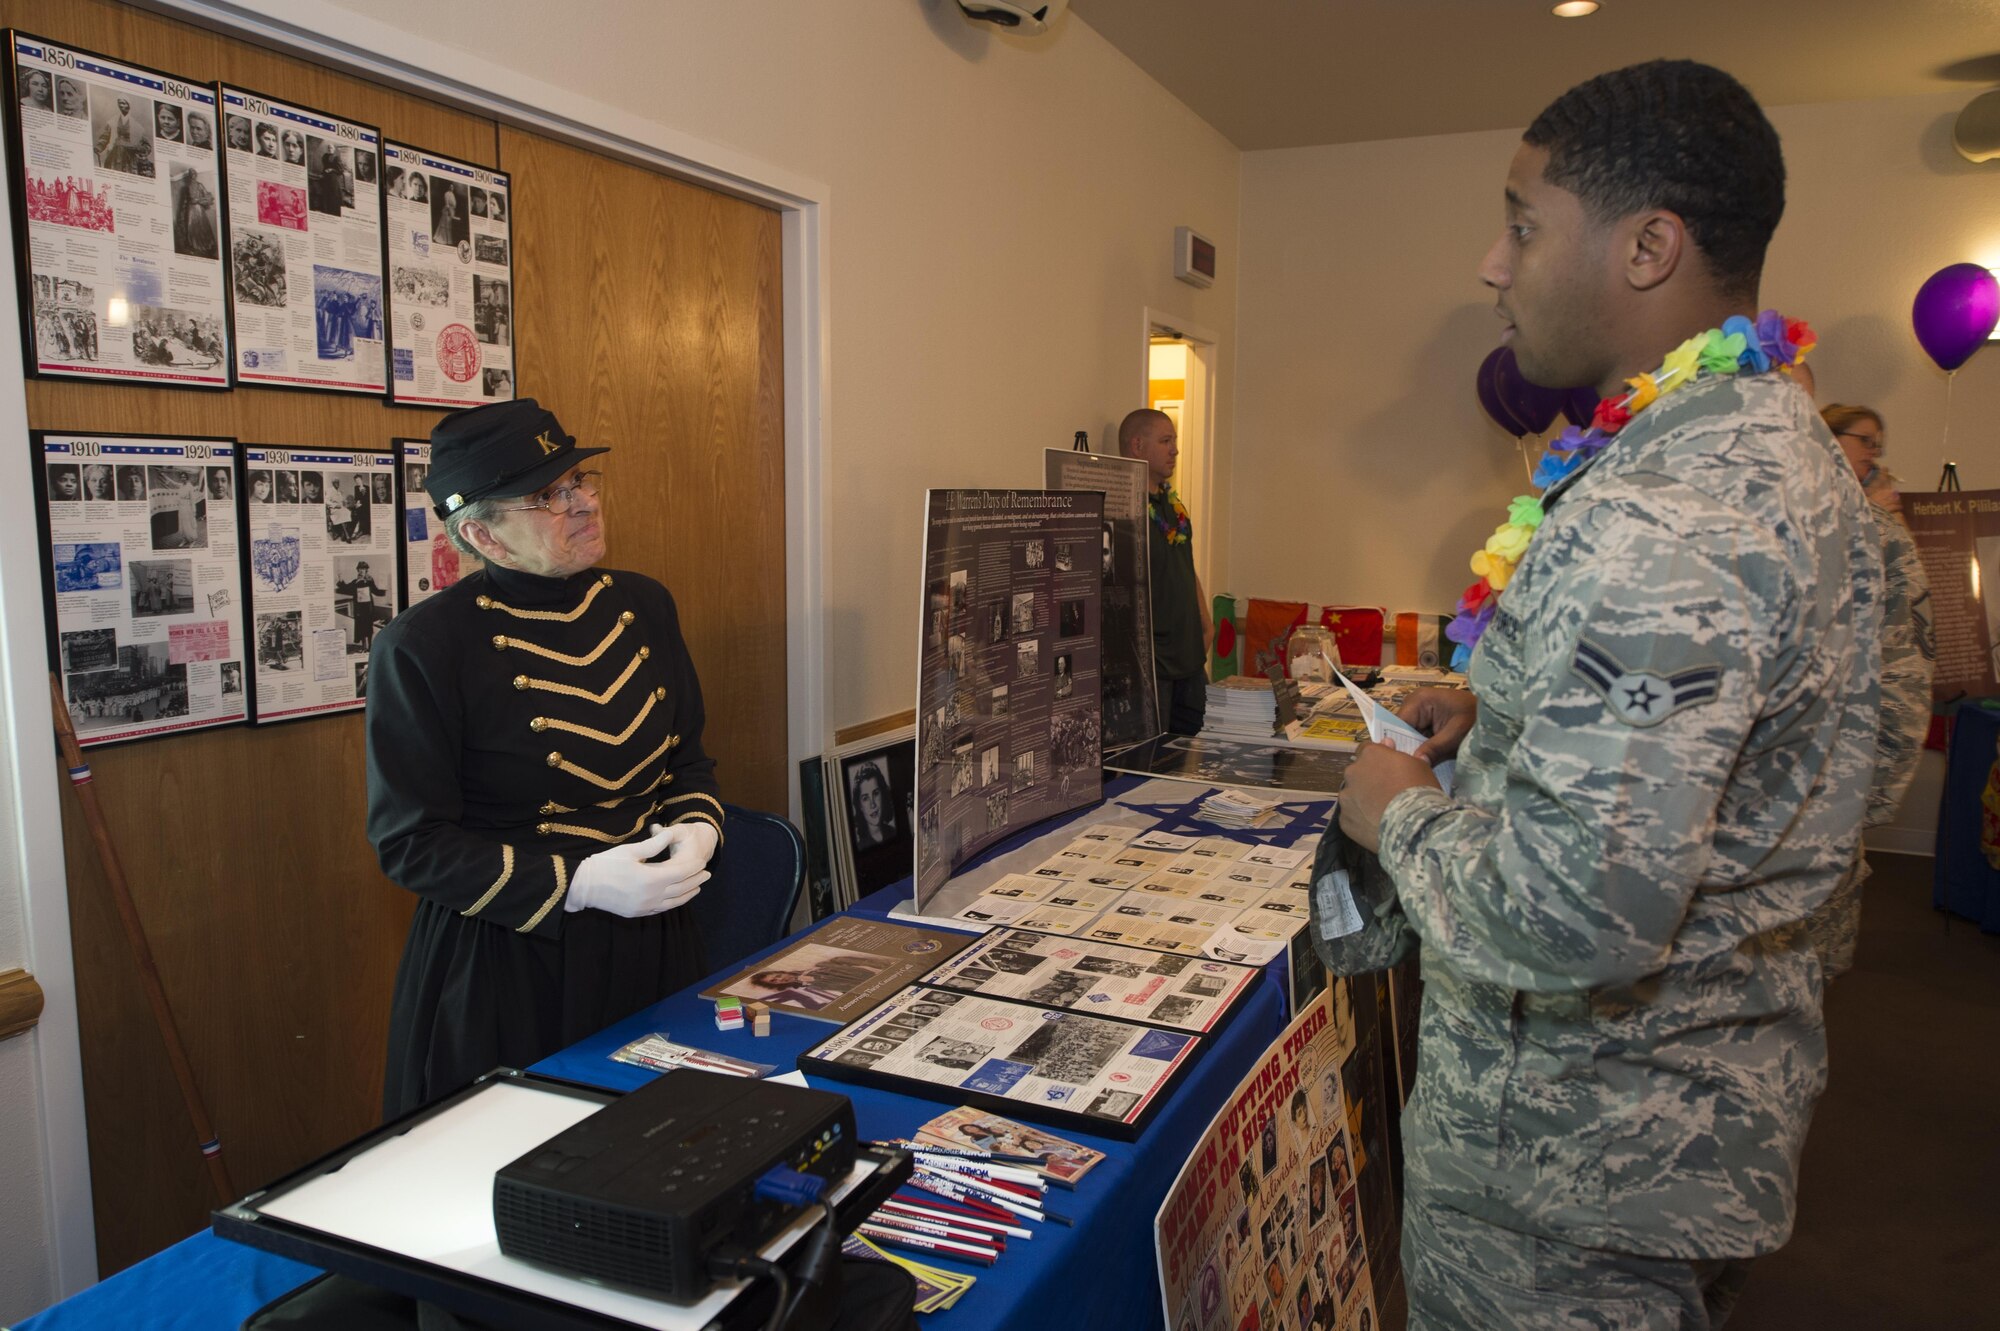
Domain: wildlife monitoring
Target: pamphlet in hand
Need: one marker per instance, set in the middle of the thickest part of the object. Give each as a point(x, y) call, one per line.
point(1385, 727)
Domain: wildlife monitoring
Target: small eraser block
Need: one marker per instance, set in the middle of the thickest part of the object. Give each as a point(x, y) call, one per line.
point(761, 1025)
point(728, 1006)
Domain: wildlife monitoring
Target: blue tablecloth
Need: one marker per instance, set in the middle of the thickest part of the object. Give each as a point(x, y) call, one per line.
point(1963, 882)
point(1098, 1273)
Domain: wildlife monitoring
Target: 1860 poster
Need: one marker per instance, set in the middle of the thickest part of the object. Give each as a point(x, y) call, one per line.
point(1008, 723)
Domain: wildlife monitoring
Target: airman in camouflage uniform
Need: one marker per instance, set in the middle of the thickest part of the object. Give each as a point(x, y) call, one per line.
point(1665, 771)
point(1909, 658)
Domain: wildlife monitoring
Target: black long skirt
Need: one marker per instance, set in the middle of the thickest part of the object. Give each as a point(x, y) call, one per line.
point(471, 997)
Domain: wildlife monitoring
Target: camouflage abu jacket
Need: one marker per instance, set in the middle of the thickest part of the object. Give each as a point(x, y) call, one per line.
point(1621, 1034)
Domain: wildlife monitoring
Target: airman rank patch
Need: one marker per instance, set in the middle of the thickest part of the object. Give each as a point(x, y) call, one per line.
point(1644, 697)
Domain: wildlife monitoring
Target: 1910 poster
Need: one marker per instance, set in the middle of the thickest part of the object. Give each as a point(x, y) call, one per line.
point(431, 562)
point(1262, 1228)
point(145, 591)
point(1131, 713)
point(1958, 538)
point(119, 200)
point(305, 245)
point(322, 574)
point(449, 228)
point(1008, 722)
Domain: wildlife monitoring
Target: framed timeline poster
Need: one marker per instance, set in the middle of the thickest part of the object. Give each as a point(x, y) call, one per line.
point(431, 562)
point(305, 246)
point(320, 568)
point(119, 206)
point(450, 231)
point(144, 586)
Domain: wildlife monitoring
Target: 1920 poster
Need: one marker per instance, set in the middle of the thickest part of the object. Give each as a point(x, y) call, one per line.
point(1262, 1228)
point(322, 536)
point(449, 227)
point(118, 200)
point(431, 562)
point(305, 245)
point(1008, 722)
point(1131, 712)
point(145, 591)
point(1958, 538)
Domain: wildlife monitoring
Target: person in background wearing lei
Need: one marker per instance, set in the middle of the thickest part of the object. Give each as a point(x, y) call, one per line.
point(535, 770)
point(1909, 660)
point(1181, 628)
point(1663, 760)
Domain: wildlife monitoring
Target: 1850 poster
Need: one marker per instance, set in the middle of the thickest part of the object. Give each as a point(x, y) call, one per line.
point(450, 229)
point(1958, 539)
point(1008, 721)
point(305, 244)
point(1131, 713)
point(118, 201)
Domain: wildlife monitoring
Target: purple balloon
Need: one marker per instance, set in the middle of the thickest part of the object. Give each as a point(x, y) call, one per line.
point(1956, 308)
point(1532, 405)
point(1489, 395)
point(1579, 405)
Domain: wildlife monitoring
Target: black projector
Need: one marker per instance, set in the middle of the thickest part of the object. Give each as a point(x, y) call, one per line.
point(641, 1192)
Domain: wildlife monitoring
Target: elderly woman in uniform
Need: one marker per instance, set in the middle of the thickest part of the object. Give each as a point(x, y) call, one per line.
point(535, 769)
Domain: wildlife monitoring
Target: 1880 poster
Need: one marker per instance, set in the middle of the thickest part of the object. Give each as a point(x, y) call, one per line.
point(449, 230)
point(1008, 725)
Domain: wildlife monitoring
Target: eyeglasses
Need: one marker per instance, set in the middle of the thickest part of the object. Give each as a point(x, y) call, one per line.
point(557, 499)
point(1865, 440)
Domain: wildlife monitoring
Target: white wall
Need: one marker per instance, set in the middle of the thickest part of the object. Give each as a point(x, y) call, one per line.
point(1365, 470)
point(1002, 211)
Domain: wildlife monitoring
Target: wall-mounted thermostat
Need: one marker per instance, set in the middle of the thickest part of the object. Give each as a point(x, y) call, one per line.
point(1194, 257)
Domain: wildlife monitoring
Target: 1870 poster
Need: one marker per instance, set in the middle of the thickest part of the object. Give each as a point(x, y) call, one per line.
point(1008, 726)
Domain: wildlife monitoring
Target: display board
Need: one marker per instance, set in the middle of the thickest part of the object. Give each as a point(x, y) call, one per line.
point(1129, 982)
point(1131, 711)
point(1262, 1227)
point(118, 201)
point(320, 569)
point(450, 237)
point(431, 562)
point(144, 582)
point(1958, 538)
point(1008, 719)
point(841, 969)
point(1094, 1073)
point(305, 245)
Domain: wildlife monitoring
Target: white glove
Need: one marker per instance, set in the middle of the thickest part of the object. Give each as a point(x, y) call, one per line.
point(692, 843)
point(620, 880)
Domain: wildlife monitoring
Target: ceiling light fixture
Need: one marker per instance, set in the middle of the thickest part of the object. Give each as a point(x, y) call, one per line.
point(1575, 8)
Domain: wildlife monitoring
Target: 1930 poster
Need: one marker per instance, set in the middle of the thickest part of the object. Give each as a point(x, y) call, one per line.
point(119, 201)
point(1131, 712)
point(322, 535)
point(449, 228)
point(1008, 721)
point(145, 591)
point(305, 245)
point(431, 562)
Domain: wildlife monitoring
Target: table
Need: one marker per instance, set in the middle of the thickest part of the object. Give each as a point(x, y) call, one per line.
point(1964, 881)
point(1100, 1273)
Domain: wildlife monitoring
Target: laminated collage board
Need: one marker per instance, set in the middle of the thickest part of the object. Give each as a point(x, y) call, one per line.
point(145, 593)
point(320, 569)
point(449, 230)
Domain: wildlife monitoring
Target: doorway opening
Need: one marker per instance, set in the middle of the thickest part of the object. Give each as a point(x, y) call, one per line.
point(1180, 381)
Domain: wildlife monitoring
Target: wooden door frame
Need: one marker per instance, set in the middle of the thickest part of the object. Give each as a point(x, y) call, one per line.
point(350, 43)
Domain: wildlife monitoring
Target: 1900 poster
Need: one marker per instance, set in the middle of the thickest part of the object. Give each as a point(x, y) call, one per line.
point(1131, 713)
point(451, 279)
point(305, 245)
point(1958, 538)
point(431, 562)
point(1263, 1226)
point(322, 538)
point(1008, 722)
point(118, 198)
point(145, 592)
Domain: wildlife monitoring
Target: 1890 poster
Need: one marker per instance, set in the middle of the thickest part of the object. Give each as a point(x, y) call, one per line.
point(305, 244)
point(119, 201)
point(1131, 713)
point(145, 592)
point(1262, 1228)
point(1008, 722)
point(322, 534)
point(451, 279)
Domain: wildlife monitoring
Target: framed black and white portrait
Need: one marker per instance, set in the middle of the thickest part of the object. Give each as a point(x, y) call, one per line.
point(874, 783)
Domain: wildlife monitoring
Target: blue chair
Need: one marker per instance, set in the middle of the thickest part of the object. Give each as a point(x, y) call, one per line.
point(759, 873)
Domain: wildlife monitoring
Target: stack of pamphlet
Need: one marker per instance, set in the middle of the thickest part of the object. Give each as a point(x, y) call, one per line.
point(1232, 806)
point(1240, 708)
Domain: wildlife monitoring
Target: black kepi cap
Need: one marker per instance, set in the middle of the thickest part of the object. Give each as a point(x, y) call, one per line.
point(498, 450)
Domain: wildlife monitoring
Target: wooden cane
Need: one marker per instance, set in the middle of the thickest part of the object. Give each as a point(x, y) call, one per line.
point(142, 953)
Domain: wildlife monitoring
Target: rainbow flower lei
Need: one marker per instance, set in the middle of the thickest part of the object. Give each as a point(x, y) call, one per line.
point(1738, 345)
point(1164, 501)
